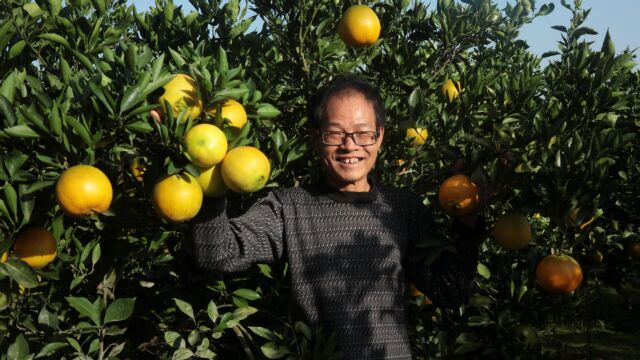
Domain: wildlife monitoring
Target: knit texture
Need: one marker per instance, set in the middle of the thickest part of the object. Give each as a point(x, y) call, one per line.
point(350, 256)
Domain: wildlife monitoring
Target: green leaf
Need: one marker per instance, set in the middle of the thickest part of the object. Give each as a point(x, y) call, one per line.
point(185, 307)
point(54, 6)
point(8, 86)
point(38, 185)
point(223, 65)
point(16, 49)
point(19, 350)
point(140, 126)
point(21, 273)
point(267, 111)
point(80, 129)
point(55, 38)
point(33, 9)
point(11, 196)
point(247, 294)
point(86, 308)
point(182, 354)
point(484, 271)
point(49, 349)
point(14, 161)
point(212, 311)
point(546, 9)
point(45, 317)
point(177, 58)
point(21, 131)
point(243, 313)
point(264, 333)
point(7, 110)
point(273, 351)
point(119, 310)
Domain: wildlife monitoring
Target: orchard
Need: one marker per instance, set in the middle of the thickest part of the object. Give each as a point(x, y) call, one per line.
point(119, 125)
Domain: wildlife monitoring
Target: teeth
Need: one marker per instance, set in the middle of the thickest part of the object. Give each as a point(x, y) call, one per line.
point(350, 160)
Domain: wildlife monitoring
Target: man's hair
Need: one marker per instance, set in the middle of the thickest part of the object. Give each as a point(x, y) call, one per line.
point(340, 86)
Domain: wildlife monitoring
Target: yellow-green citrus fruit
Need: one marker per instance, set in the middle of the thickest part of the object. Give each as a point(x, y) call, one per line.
point(449, 91)
point(459, 196)
point(232, 111)
point(559, 273)
point(4, 257)
point(177, 197)
point(137, 169)
point(512, 231)
point(82, 190)
point(245, 169)
point(36, 247)
point(359, 26)
point(206, 145)
point(418, 136)
point(182, 93)
point(211, 182)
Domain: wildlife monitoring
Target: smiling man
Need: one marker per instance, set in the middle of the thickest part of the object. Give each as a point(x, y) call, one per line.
point(352, 245)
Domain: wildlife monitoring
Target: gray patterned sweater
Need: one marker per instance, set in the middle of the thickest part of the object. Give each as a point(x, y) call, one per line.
point(350, 256)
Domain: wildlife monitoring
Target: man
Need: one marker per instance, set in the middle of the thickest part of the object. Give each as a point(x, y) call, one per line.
point(351, 244)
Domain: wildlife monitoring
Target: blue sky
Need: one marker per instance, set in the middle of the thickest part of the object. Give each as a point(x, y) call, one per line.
point(619, 16)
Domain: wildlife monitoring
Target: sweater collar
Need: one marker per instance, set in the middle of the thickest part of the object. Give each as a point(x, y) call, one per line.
point(353, 197)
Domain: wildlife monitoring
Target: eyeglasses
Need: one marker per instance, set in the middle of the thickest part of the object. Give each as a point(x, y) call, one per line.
point(360, 138)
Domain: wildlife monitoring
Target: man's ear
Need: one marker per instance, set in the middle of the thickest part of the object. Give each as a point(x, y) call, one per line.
point(380, 134)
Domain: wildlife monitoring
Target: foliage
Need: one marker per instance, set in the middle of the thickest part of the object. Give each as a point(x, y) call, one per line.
point(79, 80)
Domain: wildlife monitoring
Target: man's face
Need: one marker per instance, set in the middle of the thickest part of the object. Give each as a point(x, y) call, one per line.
point(347, 165)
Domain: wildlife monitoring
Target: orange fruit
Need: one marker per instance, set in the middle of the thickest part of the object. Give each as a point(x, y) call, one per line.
point(418, 136)
point(449, 91)
point(245, 169)
point(177, 197)
point(572, 218)
point(459, 196)
point(36, 247)
point(359, 26)
point(137, 169)
point(82, 190)
point(633, 249)
point(559, 273)
point(181, 93)
point(512, 231)
point(205, 144)
point(232, 111)
point(211, 182)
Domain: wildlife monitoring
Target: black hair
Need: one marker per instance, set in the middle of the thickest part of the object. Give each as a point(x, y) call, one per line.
point(317, 104)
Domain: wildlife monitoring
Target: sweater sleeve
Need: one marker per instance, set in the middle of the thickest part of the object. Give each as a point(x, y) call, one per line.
point(447, 280)
point(230, 245)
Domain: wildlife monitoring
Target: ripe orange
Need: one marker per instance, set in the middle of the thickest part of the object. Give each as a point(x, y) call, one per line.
point(232, 111)
point(458, 195)
point(572, 217)
point(177, 197)
point(559, 273)
point(449, 91)
point(181, 93)
point(82, 190)
point(418, 136)
point(245, 169)
point(205, 144)
point(137, 169)
point(633, 249)
point(211, 182)
point(512, 231)
point(36, 247)
point(359, 26)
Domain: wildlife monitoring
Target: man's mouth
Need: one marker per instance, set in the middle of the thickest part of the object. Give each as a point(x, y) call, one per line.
point(350, 160)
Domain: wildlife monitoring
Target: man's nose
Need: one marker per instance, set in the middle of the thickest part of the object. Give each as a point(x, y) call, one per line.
point(349, 143)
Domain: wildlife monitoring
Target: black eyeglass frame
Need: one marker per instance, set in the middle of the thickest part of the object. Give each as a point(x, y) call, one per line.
point(353, 135)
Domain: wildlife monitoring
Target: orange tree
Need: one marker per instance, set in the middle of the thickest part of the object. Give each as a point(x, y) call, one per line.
point(81, 83)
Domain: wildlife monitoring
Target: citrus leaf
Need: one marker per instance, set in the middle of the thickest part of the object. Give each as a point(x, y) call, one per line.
point(264, 333)
point(185, 307)
point(33, 9)
point(140, 126)
point(267, 111)
point(19, 350)
point(16, 49)
point(484, 271)
point(212, 311)
point(50, 349)
point(55, 38)
point(86, 308)
point(243, 313)
point(247, 294)
point(7, 110)
point(21, 131)
point(21, 273)
point(272, 351)
point(119, 310)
